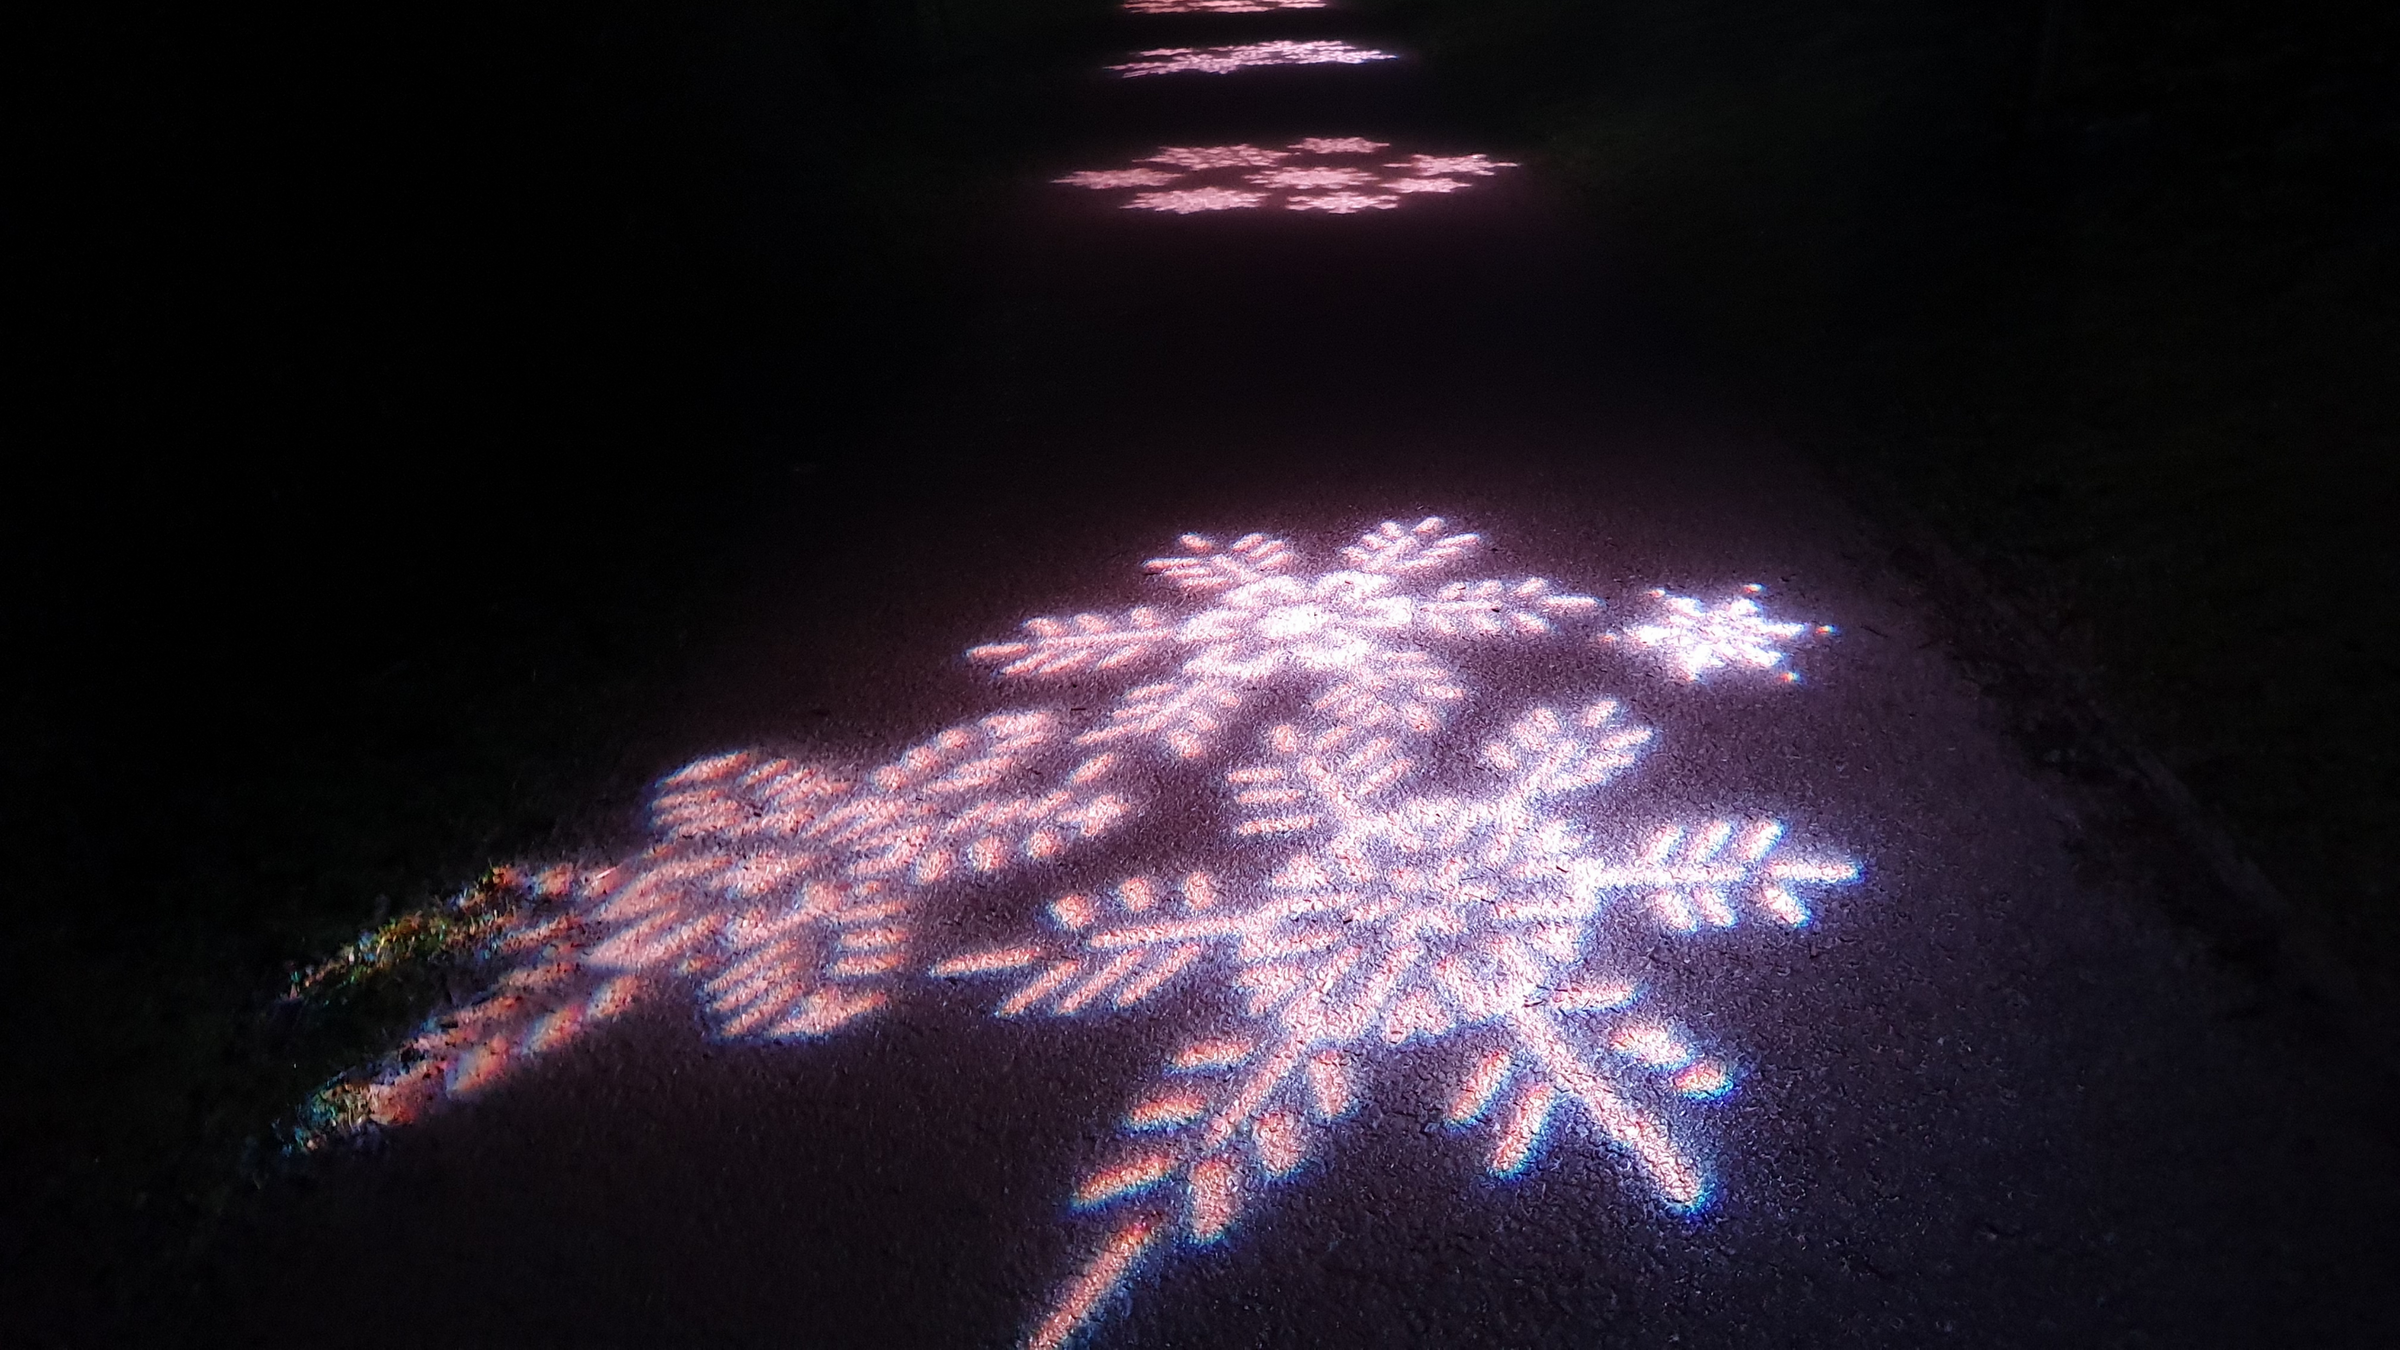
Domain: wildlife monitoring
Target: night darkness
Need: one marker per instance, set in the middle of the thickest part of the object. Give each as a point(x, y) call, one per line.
point(431, 426)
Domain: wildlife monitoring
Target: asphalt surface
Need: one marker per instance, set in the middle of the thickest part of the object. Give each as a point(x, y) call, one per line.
point(1992, 1095)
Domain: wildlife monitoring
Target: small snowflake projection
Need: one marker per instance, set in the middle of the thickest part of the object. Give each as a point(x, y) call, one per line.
point(1312, 178)
point(1339, 145)
point(1185, 201)
point(1218, 156)
point(1342, 203)
point(1217, 6)
point(1320, 174)
point(1487, 927)
point(1227, 60)
point(1106, 179)
point(784, 896)
point(1360, 637)
point(1696, 637)
point(1449, 166)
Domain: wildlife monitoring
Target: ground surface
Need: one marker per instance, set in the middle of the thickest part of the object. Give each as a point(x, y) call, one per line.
point(1993, 1096)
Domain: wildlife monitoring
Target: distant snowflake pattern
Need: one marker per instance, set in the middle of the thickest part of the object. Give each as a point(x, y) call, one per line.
point(1320, 174)
point(1185, 201)
point(1247, 56)
point(1217, 6)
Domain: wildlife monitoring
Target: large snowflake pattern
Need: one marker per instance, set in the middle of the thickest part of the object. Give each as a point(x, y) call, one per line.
point(1486, 922)
point(1363, 902)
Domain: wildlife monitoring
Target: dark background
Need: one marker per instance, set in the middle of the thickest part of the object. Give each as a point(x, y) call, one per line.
point(395, 394)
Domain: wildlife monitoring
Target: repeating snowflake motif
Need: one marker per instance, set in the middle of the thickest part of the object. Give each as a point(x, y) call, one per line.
point(1322, 174)
point(1487, 923)
point(1359, 635)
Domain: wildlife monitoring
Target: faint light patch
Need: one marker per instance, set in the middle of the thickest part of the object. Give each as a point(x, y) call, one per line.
point(1696, 637)
point(1106, 179)
point(1320, 174)
point(1227, 60)
point(1185, 201)
point(1218, 6)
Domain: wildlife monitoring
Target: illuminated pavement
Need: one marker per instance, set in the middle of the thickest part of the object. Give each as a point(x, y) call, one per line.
point(1533, 938)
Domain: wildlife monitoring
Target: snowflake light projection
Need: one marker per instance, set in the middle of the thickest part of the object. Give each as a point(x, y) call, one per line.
point(1357, 635)
point(784, 896)
point(1217, 6)
point(1364, 900)
point(1322, 174)
point(1485, 924)
point(1696, 637)
point(1227, 60)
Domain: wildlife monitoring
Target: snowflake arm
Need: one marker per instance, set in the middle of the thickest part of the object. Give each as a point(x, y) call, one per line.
point(1081, 643)
point(1185, 716)
point(1205, 568)
point(1393, 550)
point(1693, 877)
point(1527, 608)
